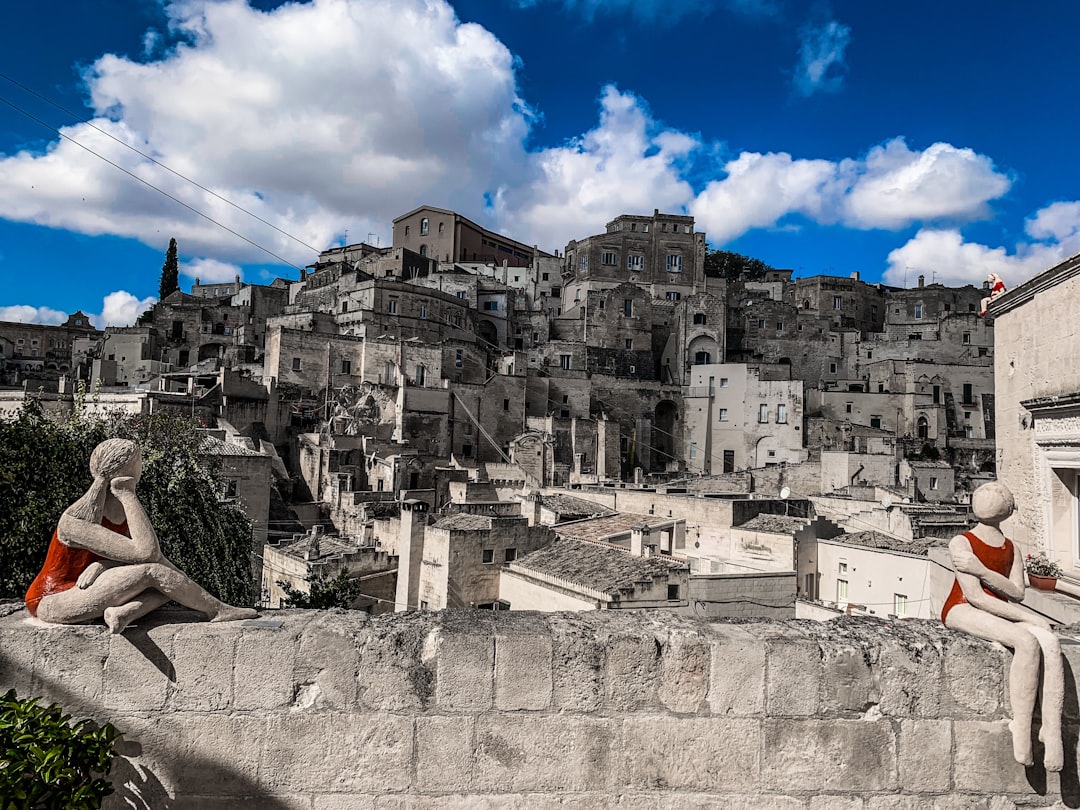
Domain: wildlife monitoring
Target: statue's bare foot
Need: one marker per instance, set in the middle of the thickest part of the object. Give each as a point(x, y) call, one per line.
point(118, 618)
point(1021, 739)
point(228, 613)
point(1054, 752)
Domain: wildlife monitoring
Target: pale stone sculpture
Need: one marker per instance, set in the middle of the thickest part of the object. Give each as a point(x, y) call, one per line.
point(989, 582)
point(997, 288)
point(104, 559)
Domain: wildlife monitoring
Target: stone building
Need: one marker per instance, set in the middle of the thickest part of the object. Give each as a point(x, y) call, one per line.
point(449, 237)
point(44, 350)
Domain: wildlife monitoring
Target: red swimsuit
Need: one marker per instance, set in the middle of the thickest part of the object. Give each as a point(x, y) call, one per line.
point(997, 558)
point(63, 564)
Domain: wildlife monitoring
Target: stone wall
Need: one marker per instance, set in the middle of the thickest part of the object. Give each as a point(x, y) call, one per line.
point(336, 710)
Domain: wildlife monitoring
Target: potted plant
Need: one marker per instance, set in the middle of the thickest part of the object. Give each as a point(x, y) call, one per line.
point(1042, 572)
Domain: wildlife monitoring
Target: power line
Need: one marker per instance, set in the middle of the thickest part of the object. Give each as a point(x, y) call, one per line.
point(107, 134)
point(147, 183)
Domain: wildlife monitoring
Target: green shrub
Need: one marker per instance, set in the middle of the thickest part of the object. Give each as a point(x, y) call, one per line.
point(48, 763)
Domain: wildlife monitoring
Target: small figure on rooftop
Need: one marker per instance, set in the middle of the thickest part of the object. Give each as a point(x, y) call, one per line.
point(997, 288)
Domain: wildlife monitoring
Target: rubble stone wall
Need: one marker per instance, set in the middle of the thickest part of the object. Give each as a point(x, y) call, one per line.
point(334, 710)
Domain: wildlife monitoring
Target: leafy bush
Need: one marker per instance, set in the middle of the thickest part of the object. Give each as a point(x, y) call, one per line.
point(339, 592)
point(44, 468)
point(49, 763)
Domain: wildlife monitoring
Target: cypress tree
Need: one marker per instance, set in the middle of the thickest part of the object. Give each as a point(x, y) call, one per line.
point(170, 272)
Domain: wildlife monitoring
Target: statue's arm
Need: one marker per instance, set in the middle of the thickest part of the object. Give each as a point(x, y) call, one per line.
point(964, 561)
point(141, 547)
point(978, 598)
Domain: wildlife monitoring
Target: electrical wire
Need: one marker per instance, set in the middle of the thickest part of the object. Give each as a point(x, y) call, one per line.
point(148, 184)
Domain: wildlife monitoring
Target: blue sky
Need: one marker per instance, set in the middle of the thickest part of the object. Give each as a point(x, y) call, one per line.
point(929, 138)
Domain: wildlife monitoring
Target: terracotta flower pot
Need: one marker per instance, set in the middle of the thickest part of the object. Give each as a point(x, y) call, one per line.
point(1042, 583)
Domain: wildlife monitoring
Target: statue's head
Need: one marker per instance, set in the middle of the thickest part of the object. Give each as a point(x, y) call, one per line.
point(111, 458)
point(992, 502)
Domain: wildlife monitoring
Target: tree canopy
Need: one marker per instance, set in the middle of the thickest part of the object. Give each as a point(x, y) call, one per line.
point(733, 266)
point(170, 272)
point(44, 468)
point(339, 592)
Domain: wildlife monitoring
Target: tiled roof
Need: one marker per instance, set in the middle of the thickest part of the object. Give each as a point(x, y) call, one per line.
point(602, 527)
point(569, 506)
point(602, 568)
point(874, 539)
point(216, 447)
point(777, 524)
point(462, 522)
point(328, 547)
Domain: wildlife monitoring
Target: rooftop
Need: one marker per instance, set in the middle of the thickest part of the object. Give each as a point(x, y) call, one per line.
point(606, 569)
point(777, 524)
point(216, 447)
point(872, 539)
point(462, 522)
point(567, 506)
point(328, 547)
point(610, 525)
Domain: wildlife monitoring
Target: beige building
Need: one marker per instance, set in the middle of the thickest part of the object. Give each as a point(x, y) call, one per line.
point(449, 237)
point(1036, 343)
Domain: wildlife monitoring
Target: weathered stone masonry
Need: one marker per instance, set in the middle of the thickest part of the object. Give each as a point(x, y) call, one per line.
point(465, 709)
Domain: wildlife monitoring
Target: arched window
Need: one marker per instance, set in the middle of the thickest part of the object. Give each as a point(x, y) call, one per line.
point(806, 303)
point(923, 427)
point(702, 358)
point(423, 250)
point(424, 226)
point(441, 227)
point(699, 318)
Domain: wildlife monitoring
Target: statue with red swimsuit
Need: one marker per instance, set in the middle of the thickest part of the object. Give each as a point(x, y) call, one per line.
point(104, 560)
point(983, 601)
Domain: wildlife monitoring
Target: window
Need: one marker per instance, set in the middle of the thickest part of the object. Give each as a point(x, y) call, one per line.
point(467, 430)
point(296, 364)
point(875, 422)
point(899, 608)
point(466, 450)
point(628, 307)
point(968, 399)
point(645, 228)
point(729, 461)
point(763, 413)
point(832, 368)
point(702, 358)
point(693, 450)
point(228, 489)
point(779, 326)
point(442, 227)
point(346, 366)
point(608, 257)
point(635, 263)
point(723, 382)
point(487, 556)
point(673, 296)
point(841, 592)
point(424, 226)
point(674, 263)
point(491, 306)
point(781, 414)
point(421, 375)
point(969, 432)
point(510, 554)
point(967, 416)
point(506, 404)
point(712, 386)
point(423, 312)
point(423, 250)
point(344, 306)
point(837, 302)
point(699, 319)
point(406, 230)
point(723, 414)
point(966, 339)
point(583, 261)
point(391, 306)
point(673, 593)
point(633, 226)
point(933, 482)
point(761, 323)
point(869, 354)
point(459, 357)
point(918, 312)
point(629, 344)
point(564, 361)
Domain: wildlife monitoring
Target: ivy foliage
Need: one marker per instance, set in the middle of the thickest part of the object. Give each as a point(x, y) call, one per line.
point(49, 763)
point(339, 592)
point(45, 467)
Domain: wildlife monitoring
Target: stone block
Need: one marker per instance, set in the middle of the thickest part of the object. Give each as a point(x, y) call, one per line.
point(829, 755)
point(203, 658)
point(523, 667)
point(139, 669)
point(725, 753)
point(20, 648)
point(684, 671)
point(452, 802)
point(258, 802)
point(393, 672)
point(531, 752)
point(910, 677)
point(347, 802)
point(974, 676)
point(445, 754)
point(923, 769)
point(631, 671)
point(836, 803)
point(708, 801)
point(465, 668)
point(577, 664)
point(182, 753)
point(327, 661)
point(984, 761)
point(737, 680)
point(75, 682)
point(847, 683)
point(333, 752)
point(260, 652)
point(792, 677)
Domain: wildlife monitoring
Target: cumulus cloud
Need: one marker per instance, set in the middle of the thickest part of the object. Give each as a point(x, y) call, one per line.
point(255, 106)
point(24, 313)
point(891, 187)
point(820, 67)
point(210, 271)
point(945, 256)
point(658, 11)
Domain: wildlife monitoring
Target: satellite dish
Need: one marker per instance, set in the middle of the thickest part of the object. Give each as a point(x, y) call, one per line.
point(785, 493)
point(887, 501)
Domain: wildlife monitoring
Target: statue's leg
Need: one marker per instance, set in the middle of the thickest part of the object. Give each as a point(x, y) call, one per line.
point(1053, 698)
point(1023, 673)
point(120, 616)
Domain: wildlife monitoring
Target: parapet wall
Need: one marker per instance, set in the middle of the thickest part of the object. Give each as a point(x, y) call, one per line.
point(466, 709)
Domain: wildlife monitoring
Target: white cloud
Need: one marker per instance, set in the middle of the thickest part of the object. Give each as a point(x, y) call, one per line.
point(821, 67)
point(658, 11)
point(121, 308)
point(210, 271)
point(946, 257)
point(24, 313)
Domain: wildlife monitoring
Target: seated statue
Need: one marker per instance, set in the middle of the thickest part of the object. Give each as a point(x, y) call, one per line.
point(104, 559)
point(988, 584)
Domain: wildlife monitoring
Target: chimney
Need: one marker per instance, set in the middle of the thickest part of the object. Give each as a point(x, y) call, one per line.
point(411, 552)
point(922, 281)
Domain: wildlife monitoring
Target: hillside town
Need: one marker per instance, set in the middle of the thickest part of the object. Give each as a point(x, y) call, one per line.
point(461, 420)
